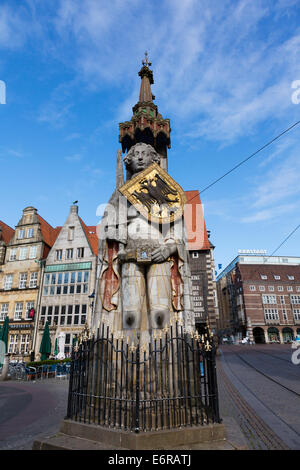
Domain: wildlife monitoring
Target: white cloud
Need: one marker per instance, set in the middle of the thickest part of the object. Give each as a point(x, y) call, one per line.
point(220, 68)
point(73, 158)
point(54, 113)
point(280, 182)
point(16, 153)
point(12, 28)
point(271, 213)
point(237, 76)
point(73, 136)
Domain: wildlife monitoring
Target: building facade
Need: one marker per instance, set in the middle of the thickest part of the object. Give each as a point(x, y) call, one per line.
point(68, 281)
point(20, 279)
point(260, 296)
point(202, 264)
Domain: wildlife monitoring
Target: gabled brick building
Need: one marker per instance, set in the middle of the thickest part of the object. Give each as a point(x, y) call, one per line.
point(201, 264)
point(20, 278)
point(261, 298)
point(68, 280)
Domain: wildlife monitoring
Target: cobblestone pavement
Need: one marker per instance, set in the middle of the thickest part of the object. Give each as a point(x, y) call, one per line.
point(30, 409)
point(259, 386)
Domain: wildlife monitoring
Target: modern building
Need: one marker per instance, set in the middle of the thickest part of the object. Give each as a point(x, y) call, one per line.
point(69, 274)
point(20, 278)
point(201, 264)
point(259, 297)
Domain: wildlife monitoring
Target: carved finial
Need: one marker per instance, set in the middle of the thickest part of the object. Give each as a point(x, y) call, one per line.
point(145, 62)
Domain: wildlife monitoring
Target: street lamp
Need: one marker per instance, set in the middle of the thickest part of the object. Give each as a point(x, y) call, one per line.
point(92, 296)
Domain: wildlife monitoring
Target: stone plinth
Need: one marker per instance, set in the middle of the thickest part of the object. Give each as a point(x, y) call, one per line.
point(83, 436)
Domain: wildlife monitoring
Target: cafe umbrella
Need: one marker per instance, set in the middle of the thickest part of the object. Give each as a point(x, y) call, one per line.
point(55, 348)
point(4, 332)
point(45, 348)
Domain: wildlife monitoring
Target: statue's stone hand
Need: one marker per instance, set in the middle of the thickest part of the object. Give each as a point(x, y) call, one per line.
point(163, 252)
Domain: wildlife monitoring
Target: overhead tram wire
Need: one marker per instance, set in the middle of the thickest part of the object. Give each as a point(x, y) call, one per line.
point(246, 159)
point(241, 163)
point(279, 246)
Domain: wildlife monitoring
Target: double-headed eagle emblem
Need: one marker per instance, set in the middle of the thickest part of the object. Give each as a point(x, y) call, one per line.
point(155, 194)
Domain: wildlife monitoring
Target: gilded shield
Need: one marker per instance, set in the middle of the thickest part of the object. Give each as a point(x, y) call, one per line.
point(155, 194)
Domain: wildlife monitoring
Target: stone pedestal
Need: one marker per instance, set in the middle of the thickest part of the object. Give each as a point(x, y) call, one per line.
point(3, 375)
point(75, 435)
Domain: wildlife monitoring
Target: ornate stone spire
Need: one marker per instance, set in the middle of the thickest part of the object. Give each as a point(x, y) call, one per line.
point(146, 81)
point(146, 124)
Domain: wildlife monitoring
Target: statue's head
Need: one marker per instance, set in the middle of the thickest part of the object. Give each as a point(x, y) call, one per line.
point(139, 157)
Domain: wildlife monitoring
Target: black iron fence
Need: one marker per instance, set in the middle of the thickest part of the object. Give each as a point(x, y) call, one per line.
point(169, 383)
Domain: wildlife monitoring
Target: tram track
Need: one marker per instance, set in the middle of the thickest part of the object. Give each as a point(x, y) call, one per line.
point(254, 424)
point(276, 357)
point(261, 427)
point(267, 376)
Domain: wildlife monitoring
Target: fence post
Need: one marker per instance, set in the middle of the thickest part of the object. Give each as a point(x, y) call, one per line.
point(70, 398)
point(212, 384)
point(137, 396)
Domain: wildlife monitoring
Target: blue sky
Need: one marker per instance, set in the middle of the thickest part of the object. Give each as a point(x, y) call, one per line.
point(223, 74)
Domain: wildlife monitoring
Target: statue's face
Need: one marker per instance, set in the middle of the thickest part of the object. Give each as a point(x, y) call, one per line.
point(141, 159)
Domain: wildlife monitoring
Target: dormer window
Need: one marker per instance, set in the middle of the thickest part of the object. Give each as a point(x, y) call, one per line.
point(263, 276)
point(291, 278)
point(71, 233)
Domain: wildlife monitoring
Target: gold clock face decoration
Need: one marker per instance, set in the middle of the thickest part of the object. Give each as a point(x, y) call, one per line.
point(155, 195)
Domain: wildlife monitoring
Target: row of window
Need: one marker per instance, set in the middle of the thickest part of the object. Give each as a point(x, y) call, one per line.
point(272, 314)
point(18, 312)
point(22, 253)
point(19, 344)
point(26, 252)
point(64, 314)
point(23, 278)
point(66, 278)
point(69, 253)
point(73, 282)
point(71, 289)
point(272, 288)
point(22, 232)
point(272, 299)
point(277, 277)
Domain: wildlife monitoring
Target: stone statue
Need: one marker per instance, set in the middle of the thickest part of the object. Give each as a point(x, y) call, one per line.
point(144, 274)
point(61, 345)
